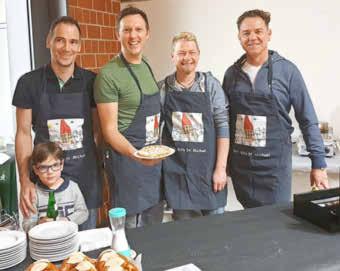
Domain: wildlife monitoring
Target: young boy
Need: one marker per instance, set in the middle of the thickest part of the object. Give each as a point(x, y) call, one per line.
point(47, 162)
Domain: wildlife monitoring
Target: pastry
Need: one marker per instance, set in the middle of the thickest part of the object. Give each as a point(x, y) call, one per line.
point(78, 262)
point(42, 265)
point(109, 260)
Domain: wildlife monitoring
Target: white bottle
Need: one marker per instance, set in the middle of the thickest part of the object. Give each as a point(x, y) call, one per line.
point(119, 241)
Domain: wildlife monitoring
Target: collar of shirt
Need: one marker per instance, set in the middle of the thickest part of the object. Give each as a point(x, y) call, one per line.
point(51, 75)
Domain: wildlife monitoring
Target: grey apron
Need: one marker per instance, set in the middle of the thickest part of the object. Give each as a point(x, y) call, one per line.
point(136, 187)
point(260, 152)
point(189, 128)
point(65, 118)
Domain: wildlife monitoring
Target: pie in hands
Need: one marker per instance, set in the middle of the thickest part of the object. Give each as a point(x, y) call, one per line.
point(154, 152)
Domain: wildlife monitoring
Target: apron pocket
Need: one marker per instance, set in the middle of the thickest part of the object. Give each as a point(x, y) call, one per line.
point(264, 189)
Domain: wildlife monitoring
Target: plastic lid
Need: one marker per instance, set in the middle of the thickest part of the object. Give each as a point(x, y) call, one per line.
point(117, 212)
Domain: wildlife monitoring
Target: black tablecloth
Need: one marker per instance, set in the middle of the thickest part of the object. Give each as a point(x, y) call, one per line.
point(260, 239)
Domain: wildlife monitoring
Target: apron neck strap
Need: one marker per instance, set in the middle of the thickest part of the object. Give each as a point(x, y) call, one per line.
point(127, 65)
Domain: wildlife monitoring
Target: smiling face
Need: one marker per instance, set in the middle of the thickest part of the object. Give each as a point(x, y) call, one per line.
point(49, 171)
point(64, 45)
point(254, 36)
point(133, 34)
point(185, 56)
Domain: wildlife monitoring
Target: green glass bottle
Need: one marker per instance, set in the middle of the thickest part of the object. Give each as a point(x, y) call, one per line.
point(52, 209)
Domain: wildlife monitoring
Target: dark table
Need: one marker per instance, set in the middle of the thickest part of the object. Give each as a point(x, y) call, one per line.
point(261, 239)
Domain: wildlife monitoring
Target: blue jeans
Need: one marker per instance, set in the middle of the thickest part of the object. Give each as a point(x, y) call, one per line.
point(91, 222)
point(149, 216)
point(189, 214)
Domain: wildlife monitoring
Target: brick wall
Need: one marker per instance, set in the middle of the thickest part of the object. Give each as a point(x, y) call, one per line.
point(97, 20)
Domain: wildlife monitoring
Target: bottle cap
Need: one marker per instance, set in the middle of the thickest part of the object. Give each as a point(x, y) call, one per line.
point(117, 212)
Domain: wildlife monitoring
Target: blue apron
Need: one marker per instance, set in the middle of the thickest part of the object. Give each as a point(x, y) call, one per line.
point(65, 118)
point(260, 152)
point(136, 187)
point(189, 128)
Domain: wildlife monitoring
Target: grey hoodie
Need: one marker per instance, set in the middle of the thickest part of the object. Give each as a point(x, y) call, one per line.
point(218, 102)
point(289, 90)
point(69, 199)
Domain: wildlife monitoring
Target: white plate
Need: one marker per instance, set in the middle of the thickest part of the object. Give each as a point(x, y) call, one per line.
point(54, 241)
point(13, 250)
point(53, 258)
point(171, 151)
point(6, 256)
point(14, 261)
point(10, 239)
point(53, 230)
point(13, 258)
point(53, 245)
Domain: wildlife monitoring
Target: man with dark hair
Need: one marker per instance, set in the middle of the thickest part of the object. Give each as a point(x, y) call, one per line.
point(262, 86)
point(128, 104)
point(56, 100)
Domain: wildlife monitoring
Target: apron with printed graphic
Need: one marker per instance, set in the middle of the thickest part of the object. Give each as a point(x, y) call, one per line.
point(65, 118)
point(260, 152)
point(137, 187)
point(189, 128)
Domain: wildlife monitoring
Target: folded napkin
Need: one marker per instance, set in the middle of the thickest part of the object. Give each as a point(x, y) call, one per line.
point(187, 267)
point(94, 239)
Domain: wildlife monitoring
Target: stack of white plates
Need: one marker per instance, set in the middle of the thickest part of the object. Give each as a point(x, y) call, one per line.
point(13, 247)
point(54, 241)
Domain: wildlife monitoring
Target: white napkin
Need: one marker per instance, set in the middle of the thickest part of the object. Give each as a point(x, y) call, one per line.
point(138, 262)
point(187, 267)
point(94, 239)
point(3, 158)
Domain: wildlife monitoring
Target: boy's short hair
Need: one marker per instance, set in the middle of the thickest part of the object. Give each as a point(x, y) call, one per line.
point(42, 151)
point(187, 36)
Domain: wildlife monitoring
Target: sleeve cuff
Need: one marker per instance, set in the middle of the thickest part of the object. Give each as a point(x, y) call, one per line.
point(222, 132)
point(318, 162)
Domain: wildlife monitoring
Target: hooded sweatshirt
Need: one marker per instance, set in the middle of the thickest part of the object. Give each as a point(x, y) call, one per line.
point(69, 199)
point(289, 90)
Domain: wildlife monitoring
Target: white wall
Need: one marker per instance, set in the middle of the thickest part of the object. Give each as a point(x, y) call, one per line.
point(305, 31)
point(6, 121)
point(14, 58)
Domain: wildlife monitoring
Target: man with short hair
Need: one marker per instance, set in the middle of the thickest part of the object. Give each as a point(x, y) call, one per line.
point(127, 98)
point(262, 86)
point(196, 125)
point(56, 100)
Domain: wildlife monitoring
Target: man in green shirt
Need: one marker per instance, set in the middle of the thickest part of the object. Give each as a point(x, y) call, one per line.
point(127, 97)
